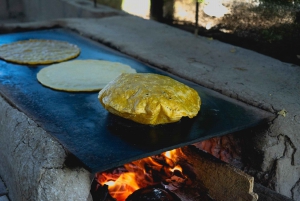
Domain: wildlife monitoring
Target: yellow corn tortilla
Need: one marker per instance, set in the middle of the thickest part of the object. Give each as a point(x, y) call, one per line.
point(38, 51)
point(81, 75)
point(149, 98)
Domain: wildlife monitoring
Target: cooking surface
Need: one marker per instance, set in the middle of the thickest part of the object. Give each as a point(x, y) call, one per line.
point(101, 140)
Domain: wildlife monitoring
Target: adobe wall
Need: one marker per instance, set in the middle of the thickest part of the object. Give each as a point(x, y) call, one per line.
point(33, 162)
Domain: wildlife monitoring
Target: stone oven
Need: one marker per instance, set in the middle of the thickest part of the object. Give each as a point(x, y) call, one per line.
point(91, 137)
point(38, 166)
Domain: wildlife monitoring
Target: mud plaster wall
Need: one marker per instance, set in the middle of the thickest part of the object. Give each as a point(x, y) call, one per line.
point(32, 162)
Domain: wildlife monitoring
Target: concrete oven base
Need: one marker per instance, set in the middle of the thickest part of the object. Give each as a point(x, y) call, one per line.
point(33, 163)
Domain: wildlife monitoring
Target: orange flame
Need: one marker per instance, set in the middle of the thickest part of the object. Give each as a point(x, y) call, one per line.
point(123, 186)
point(177, 167)
point(138, 174)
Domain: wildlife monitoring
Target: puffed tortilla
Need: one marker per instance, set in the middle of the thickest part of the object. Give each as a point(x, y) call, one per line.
point(149, 98)
point(81, 75)
point(38, 51)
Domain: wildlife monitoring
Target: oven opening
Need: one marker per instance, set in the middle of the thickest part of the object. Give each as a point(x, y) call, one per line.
point(178, 174)
point(152, 177)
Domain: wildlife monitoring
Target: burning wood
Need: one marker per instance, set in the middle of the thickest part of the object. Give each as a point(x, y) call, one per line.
point(226, 148)
point(180, 174)
point(152, 194)
point(164, 170)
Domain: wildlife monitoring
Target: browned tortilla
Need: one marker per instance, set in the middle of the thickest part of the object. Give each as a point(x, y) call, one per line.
point(149, 98)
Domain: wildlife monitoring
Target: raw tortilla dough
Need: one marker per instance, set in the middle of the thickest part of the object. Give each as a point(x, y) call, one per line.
point(38, 51)
point(81, 75)
point(149, 98)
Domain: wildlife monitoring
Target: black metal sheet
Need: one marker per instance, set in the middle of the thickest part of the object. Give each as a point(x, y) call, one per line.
point(101, 140)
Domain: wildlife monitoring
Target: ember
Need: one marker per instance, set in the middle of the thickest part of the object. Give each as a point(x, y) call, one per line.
point(226, 148)
point(164, 169)
point(187, 173)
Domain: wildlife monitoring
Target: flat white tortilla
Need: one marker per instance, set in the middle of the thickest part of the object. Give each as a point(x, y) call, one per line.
point(81, 75)
point(38, 51)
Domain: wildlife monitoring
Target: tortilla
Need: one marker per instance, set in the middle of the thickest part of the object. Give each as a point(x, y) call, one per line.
point(38, 51)
point(81, 75)
point(149, 98)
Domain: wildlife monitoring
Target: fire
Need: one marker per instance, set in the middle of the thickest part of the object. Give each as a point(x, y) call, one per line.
point(173, 154)
point(177, 167)
point(124, 180)
point(123, 186)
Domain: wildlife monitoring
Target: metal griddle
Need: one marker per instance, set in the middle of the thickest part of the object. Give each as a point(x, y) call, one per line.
point(97, 138)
